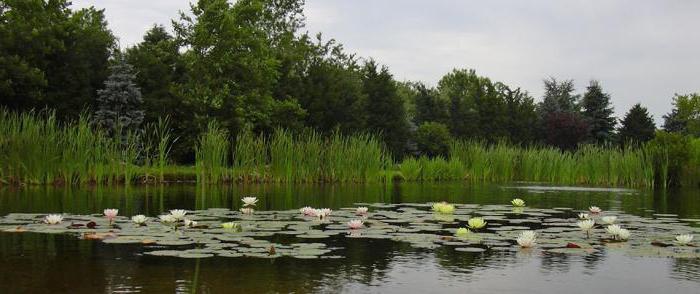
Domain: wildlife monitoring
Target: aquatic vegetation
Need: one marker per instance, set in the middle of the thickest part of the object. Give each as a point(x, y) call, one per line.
point(443, 207)
point(111, 214)
point(205, 235)
point(322, 213)
point(307, 211)
point(461, 232)
point(624, 234)
point(595, 209)
point(247, 210)
point(684, 239)
point(517, 202)
point(361, 210)
point(139, 219)
point(583, 216)
point(586, 225)
point(608, 220)
point(355, 224)
point(231, 226)
point(527, 239)
point(617, 232)
point(476, 223)
point(53, 219)
point(168, 219)
point(249, 201)
point(178, 214)
point(189, 223)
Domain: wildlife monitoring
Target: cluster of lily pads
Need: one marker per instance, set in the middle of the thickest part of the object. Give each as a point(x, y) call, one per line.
point(315, 232)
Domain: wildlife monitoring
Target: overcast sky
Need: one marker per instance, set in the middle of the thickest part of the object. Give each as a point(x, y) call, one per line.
point(641, 51)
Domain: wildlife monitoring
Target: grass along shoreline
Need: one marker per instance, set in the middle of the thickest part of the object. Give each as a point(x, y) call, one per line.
point(36, 149)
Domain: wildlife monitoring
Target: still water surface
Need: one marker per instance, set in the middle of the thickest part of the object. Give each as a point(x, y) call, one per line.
point(37, 263)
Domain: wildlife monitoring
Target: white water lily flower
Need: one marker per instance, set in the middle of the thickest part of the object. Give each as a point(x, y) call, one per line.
point(53, 219)
point(586, 225)
point(322, 213)
point(355, 224)
point(247, 210)
point(609, 220)
point(517, 202)
point(624, 234)
point(684, 239)
point(361, 210)
point(527, 239)
point(190, 223)
point(583, 216)
point(476, 222)
point(139, 219)
point(167, 219)
point(249, 201)
point(613, 230)
point(178, 214)
point(595, 209)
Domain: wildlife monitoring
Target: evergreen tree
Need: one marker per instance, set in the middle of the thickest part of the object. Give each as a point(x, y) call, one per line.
point(599, 113)
point(119, 104)
point(637, 126)
point(384, 109)
point(558, 97)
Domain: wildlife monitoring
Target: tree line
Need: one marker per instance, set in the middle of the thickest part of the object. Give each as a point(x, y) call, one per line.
point(251, 66)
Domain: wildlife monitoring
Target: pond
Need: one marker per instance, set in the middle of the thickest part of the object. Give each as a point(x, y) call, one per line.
point(371, 263)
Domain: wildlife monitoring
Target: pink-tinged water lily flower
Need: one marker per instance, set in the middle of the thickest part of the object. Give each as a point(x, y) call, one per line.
point(307, 211)
point(355, 224)
point(111, 213)
point(595, 209)
point(361, 210)
point(53, 219)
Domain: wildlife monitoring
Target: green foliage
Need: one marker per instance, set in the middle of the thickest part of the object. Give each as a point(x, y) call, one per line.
point(159, 66)
point(429, 106)
point(432, 139)
point(385, 113)
point(637, 126)
point(685, 116)
point(599, 113)
point(52, 55)
point(670, 152)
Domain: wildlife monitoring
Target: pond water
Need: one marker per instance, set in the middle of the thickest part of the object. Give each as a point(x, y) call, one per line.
point(63, 263)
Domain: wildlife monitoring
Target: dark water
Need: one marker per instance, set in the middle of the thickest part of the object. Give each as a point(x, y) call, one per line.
point(34, 263)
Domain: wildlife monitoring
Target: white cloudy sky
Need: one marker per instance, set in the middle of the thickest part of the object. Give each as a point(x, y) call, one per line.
point(641, 50)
